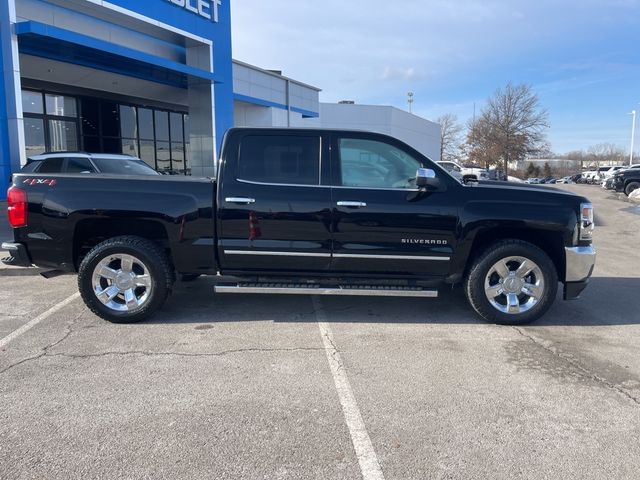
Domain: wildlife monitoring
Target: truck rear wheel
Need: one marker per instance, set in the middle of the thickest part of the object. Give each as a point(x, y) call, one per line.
point(512, 283)
point(125, 279)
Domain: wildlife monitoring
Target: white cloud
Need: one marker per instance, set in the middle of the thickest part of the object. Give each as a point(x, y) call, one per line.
point(399, 73)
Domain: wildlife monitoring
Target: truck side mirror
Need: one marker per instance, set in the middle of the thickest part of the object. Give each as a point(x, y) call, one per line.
point(426, 179)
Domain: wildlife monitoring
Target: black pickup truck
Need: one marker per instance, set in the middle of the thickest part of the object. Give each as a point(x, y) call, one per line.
point(316, 212)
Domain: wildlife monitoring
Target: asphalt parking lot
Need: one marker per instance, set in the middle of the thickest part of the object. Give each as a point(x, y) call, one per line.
point(332, 388)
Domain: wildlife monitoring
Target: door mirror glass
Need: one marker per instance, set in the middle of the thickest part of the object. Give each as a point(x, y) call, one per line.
point(426, 178)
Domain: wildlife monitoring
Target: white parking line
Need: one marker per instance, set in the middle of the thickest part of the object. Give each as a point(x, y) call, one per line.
point(367, 458)
point(43, 316)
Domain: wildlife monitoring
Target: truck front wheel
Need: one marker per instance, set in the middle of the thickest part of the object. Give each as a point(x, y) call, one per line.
point(125, 279)
point(631, 187)
point(513, 282)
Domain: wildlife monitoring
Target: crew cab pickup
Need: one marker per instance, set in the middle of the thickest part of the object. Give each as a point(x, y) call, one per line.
point(313, 212)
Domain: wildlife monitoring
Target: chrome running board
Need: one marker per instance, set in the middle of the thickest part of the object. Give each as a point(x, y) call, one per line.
point(354, 291)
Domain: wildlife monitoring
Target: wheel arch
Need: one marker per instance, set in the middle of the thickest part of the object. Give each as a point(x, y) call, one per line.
point(552, 243)
point(91, 232)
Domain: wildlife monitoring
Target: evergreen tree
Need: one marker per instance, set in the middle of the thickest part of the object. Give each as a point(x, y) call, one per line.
point(531, 170)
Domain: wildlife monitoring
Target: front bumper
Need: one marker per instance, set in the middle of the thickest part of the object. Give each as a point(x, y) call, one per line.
point(18, 255)
point(580, 263)
point(618, 184)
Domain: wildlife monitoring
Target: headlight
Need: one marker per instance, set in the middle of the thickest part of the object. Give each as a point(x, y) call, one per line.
point(586, 222)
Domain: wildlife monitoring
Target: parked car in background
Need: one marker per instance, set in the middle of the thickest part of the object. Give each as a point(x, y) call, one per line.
point(609, 173)
point(576, 178)
point(472, 172)
point(89, 163)
point(627, 180)
point(548, 180)
point(587, 176)
point(608, 184)
point(607, 179)
point(628, 167)
point(454, 168)
point(599, 175)
point(565, 180)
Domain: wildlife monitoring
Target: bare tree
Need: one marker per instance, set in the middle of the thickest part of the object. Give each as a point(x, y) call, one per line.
point(605, 153)
point(450, 136)
point(482, 150)
point(511, 125)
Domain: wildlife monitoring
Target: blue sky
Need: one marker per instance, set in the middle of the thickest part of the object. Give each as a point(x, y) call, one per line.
point(581, 57)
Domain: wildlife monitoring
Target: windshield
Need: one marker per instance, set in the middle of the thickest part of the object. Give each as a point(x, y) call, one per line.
point(123, 166)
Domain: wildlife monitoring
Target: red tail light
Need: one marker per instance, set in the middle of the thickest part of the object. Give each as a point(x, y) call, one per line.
point(17, 207)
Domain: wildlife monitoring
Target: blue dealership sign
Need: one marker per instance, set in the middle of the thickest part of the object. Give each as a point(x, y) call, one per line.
point(204, 8)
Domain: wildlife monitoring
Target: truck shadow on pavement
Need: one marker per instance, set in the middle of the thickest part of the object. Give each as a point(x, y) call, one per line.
point(606, 301)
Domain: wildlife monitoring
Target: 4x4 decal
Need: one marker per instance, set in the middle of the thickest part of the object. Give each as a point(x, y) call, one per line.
point(51, 182)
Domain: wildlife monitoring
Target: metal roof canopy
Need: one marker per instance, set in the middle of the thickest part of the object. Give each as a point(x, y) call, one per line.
point(38, 39)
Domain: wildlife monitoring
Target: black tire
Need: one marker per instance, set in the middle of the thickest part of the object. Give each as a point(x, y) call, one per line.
point(160, 278)
point(474, 283)
point(631, 187)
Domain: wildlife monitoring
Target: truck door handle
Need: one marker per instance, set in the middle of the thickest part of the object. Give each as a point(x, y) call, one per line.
point(243, 200)
point(352, 204)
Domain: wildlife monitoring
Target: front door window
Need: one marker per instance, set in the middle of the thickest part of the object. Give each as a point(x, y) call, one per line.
point(373, 164)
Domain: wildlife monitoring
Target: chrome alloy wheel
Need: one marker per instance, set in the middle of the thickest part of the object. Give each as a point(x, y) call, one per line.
point(122, 283)
point(514, 285)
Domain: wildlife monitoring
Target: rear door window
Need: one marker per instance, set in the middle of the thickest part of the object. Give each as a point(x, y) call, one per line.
point(280, 159)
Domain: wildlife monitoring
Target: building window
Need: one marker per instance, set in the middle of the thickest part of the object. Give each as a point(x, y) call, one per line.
point(34, 136)
point(50, 123)
point(54, 122)
point(128, 121)
point(63, 136)
point(61, 106)
point(32, 102)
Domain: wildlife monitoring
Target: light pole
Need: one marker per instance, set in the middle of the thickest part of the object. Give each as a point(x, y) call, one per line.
point(633, 135)
point(410, 101)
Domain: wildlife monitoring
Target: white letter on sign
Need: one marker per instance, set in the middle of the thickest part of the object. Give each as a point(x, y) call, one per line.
point(216, 4)
point(189, 6)
point(204, 8)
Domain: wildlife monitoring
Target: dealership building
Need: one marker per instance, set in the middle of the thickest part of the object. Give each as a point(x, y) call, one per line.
point(152, 78)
